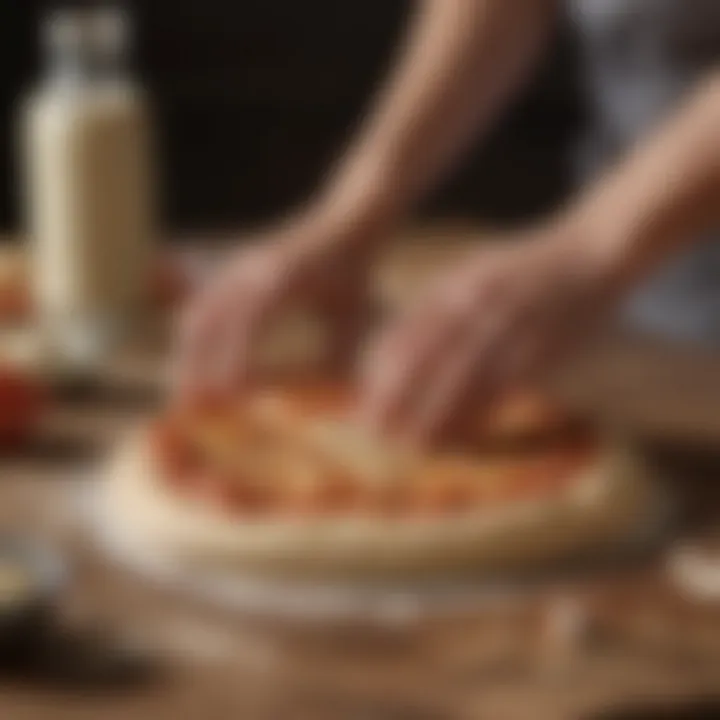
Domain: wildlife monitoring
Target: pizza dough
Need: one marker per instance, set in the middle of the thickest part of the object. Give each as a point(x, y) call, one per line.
point(608, 500)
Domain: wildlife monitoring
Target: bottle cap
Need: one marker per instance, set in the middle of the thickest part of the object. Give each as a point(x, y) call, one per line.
point(86, 42)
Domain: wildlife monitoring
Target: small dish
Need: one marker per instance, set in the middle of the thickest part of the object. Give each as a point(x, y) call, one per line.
point(31, 576)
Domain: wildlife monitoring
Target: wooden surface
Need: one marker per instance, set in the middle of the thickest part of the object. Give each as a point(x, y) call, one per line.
point(642, 639)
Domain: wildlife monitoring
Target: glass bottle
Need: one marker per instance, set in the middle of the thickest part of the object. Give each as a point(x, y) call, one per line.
point(88, 190)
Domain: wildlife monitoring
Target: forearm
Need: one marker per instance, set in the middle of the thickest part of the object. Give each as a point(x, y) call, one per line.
point(462, 60)
point(663, 196)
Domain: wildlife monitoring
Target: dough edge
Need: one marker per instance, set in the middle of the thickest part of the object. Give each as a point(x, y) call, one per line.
point(612, 500)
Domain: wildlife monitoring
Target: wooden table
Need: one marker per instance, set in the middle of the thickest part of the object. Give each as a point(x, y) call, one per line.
point(640, 638)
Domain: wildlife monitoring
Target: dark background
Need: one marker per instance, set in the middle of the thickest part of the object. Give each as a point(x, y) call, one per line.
point(253, 99)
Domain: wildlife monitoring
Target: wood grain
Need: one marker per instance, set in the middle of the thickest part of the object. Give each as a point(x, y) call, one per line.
point(636, 636)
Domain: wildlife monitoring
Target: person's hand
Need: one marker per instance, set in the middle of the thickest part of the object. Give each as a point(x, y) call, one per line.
point(309, 264)
point(491, 324)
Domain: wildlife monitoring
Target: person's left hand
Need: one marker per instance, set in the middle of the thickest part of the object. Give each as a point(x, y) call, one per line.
point(491, 324)
point(309, 264)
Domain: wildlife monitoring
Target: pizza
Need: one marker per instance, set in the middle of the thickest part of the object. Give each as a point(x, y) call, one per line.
point(297, 451)
point(283, 481)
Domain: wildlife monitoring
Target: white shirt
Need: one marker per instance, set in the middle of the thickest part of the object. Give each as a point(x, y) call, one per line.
point(640, 58)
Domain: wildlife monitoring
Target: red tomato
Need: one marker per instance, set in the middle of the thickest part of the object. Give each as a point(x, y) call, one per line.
point(21, 404)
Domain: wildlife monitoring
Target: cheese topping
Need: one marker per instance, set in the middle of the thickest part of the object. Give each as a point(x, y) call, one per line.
point(364, 456)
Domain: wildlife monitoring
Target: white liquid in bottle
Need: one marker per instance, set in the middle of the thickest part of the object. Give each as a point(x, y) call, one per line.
point(88, 191)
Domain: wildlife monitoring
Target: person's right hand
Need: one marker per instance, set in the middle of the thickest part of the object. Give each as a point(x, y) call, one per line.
point(497, 322)
point(310, 264)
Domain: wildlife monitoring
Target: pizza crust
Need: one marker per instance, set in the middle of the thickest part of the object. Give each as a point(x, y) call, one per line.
point(610, 502)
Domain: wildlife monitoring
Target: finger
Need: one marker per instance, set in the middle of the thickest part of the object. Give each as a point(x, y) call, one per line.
point(541, 343)
point(220, 324)
point(206, 330)
point(532, 352)
point(466, 383)
point(233, 357)
point(397, 366)
point(518, 357)
point(196, 338)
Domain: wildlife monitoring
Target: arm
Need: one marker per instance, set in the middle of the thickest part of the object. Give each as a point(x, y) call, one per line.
point(461, 62)
point(510, 312)
point(664, 195)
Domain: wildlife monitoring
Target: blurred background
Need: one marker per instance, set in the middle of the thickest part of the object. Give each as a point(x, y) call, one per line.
point(254, 99)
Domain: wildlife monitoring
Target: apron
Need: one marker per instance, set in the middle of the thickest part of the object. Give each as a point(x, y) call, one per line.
point(639, 60)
